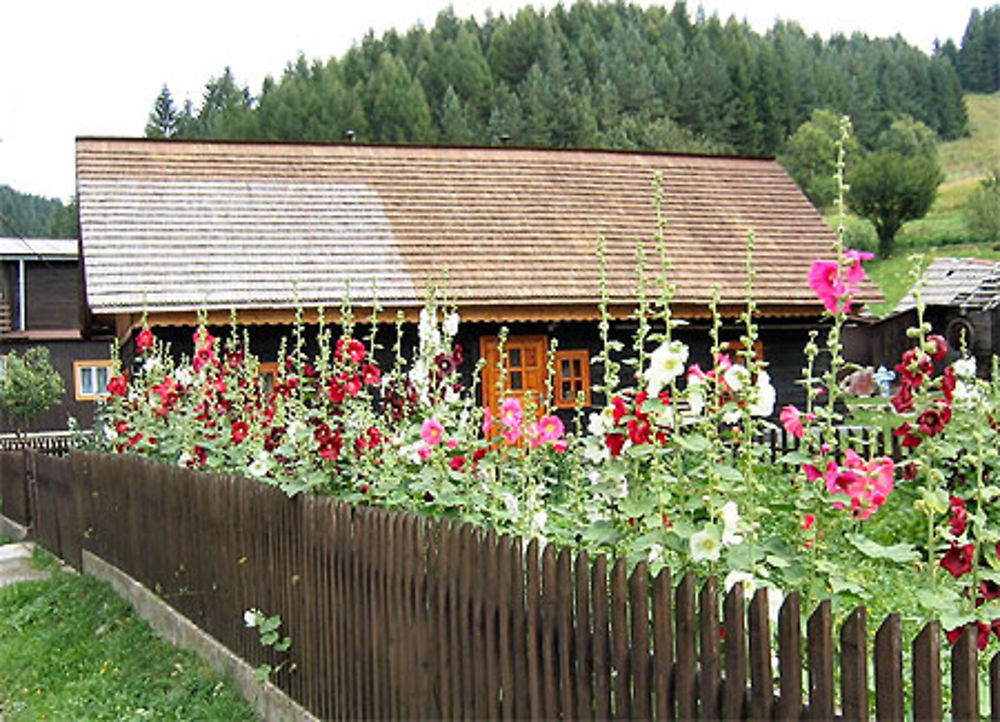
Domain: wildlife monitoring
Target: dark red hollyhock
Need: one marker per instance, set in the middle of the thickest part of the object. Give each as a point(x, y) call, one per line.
point(615, 442)
point(940, 347)
point(958, 560)
point(240, 431)
point(335, 391)
point(910, 471)
point(988, 591)
point(911, 440)
point(982, 636)
point(121, 427)
point(959, 516)
point(639, 430)
point(478, 454)
point(457, 463)
point(902, 400)
point(118, 385)
point(933, 420)
point(145, 341)
point(948, 384)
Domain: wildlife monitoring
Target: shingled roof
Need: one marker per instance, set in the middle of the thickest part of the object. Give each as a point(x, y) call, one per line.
point(972, 283)
point(181, 225)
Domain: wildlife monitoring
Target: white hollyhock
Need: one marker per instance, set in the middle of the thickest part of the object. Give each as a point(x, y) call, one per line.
point(705, 546)
point(666, 363)
point(763, 405)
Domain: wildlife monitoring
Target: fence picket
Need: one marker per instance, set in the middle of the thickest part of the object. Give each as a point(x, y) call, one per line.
point(854, 666)
point(926, 652)
point(639, 616)
point(710, 669)
point(532, 602)
point(663, 645)
point(761, 677)
point(820, 657)
point(549, 667)
point(602, 660)
point(735, 654)
point(789, 705)
point(505, 638)
point(686, 687)
point(964, 686)
point(583, 635)
point(564, 634)
point(488, 600)
point(889, 669)
point(619, 641)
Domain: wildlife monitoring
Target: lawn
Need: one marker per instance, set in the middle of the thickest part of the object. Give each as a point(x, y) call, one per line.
point(71, 649)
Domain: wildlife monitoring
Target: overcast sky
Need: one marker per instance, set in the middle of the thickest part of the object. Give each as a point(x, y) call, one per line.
point(94, 67)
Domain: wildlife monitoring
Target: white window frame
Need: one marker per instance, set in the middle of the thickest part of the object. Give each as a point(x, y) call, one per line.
point(82, 369)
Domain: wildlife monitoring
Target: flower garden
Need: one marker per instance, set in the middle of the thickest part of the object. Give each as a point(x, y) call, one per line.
point(673, 468)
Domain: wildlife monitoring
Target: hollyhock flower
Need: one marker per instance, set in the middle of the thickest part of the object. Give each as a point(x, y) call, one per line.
point(791, 419)
point(145, 341)
point(736, 377)
point(982, 636)
point(939, 347)
point(457, 463)
point(240, 431)
point(118, 385)
point(511, 412)
point(825, 281)
point(911, 439)
point(766, 396)
point(933, 420)
point(487, 423)
point(958, 560)
point(511, 434)
point(431, 432)
point(350, 348)
point(902, 400)
point(639, 430)
point(855, 274)
point(353, 386)
point(450, 324)
point(615, 442)
point(372, 374)
point(424, 452)
point(965, 367)
point(948, 383)
point(808, 520)
point(335, 391)
point(959, 515)
point(666, 363)
point(731, 524)
point(705, 546)
point(550, 428)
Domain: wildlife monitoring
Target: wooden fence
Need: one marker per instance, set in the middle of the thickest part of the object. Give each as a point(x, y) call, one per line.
point(394, 615)
point(47, 442)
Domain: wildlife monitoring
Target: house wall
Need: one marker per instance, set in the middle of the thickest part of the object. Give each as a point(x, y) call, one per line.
point(52, 291)
point(62, 354)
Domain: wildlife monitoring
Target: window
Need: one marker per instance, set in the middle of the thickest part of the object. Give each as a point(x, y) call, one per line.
point(268, 374)
point(572, 377)
point(527, 371)
point(91, 379)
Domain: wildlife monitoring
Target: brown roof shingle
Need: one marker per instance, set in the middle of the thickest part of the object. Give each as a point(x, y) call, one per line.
point(186, 224)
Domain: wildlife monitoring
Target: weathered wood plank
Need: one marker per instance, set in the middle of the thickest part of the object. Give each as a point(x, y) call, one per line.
point(889, 669)
point(926, 652)
point(686, 688)
point(761, 678)
point(709, 680)
point(735, 654)
point(854, 666)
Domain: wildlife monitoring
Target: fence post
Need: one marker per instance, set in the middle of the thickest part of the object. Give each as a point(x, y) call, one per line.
point(964, 685)
point(889, 669)
point(927, 673)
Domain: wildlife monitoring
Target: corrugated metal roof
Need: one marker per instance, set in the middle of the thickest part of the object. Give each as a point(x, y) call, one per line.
point(962, 282)
point(48, 249)
point(181, 225)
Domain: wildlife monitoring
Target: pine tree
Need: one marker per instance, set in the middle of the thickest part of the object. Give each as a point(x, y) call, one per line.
point(163, 118)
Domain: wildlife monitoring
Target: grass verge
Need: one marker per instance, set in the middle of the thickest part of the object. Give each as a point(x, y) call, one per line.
point(71, 649)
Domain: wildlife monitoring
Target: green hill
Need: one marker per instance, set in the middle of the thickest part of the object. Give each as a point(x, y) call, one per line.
point(943, 232)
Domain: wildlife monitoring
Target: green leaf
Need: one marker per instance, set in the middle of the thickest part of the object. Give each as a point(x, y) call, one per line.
point(268, 638)
point(262, 673)
point(795, 457)
point(727, 472)
point(692, 442)
point(902, 553)
point(601, 533)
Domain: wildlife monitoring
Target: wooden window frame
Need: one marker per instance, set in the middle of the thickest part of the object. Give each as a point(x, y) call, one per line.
point(571, 355)
point(78, 367)
point(488, 351)
point(265, 369)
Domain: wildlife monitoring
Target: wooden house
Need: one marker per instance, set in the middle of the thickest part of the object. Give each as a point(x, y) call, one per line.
point(40, 305)
point(171, 227)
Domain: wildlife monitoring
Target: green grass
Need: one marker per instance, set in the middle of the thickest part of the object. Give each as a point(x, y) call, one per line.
point(70, 649)
point(965, 159)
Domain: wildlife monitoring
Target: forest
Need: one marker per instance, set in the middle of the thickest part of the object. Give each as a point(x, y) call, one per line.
point(611, 75)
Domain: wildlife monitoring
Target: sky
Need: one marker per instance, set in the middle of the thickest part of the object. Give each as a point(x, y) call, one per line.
point(71, 68)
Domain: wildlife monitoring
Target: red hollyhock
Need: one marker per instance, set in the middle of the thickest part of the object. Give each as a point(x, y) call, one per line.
point(959, 516)
point(372, 374)
point(940, 347)
point(639, 430)
point(240, 431)
point(911, 440)
point(615, 442)
point(145, 341)
point(933, 420)
point(335, 390)
point(118, 385)
point(902, 400)
point(982, 636)
point(958, 560)
point(457, 463)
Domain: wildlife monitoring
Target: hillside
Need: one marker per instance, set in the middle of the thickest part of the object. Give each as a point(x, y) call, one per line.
point(943, 232)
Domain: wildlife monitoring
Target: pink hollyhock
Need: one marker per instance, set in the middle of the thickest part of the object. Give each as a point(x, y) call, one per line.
point(791, 419)
point(511, 412)
point(451, 444)
point(511, 434)
point(240, 431)
point(855, 274)
point(825, 281)
point(550, 428)
point(867, 483)
point(958, 560)
point(695, 375)
point(424, 452)
point(145, 341)
point(431, 432)
point(487, 423)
